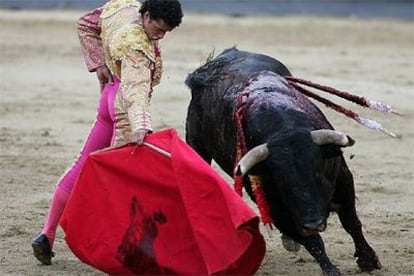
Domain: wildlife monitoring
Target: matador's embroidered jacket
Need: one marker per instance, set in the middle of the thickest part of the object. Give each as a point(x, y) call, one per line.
point(113, 35)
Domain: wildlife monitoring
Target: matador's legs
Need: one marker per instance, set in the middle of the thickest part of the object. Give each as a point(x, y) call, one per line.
point(99, 137)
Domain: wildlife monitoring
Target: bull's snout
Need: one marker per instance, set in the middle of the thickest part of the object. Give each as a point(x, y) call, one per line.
point(313, 227)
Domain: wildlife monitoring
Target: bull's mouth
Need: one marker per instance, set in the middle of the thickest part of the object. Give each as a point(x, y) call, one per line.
point(313, 228)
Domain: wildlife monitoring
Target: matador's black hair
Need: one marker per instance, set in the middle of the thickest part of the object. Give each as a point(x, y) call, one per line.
point(167, 10)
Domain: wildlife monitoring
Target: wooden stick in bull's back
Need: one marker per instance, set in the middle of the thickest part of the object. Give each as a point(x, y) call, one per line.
point(367, 122)
point(371, 104)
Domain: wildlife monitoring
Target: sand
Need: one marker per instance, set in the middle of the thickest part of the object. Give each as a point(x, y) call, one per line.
point(48, 103)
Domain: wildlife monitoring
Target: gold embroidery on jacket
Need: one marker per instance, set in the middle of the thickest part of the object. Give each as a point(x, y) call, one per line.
point(157, 70)
point(131, 37)
point(115, 5)
point(123, 132)
point(121, 33)
point(136, 89)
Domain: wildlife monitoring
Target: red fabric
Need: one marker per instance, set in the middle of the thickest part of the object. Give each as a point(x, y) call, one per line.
point(136, 211)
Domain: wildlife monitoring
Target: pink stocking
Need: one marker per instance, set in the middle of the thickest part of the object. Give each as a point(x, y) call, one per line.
point(55, 211)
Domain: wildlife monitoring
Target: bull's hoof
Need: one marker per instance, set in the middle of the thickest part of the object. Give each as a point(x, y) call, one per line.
point(368, 265)
point(289, 244)
point(368, 261)
point(332, 272)
point(42, 250)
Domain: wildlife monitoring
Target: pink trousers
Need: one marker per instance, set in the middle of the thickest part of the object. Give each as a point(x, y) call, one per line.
point(101, 136)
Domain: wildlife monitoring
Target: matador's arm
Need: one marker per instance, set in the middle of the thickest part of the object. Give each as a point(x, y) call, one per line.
point(89, 31)
point(136, 89)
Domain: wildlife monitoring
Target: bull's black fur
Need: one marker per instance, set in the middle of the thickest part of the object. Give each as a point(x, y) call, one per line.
point(301, 180)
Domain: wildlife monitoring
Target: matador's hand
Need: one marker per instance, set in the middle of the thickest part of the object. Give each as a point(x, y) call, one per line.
point(104, 76)
point(139, 135)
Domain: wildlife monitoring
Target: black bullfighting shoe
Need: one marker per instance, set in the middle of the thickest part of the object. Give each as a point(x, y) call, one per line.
point(42, 250)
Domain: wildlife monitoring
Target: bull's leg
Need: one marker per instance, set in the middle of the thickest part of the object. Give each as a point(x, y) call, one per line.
point(344, 196)
point(201, 152)
point(193, 134)
point(314, 244)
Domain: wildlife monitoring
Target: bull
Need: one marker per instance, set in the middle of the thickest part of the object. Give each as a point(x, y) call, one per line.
point(290, 145)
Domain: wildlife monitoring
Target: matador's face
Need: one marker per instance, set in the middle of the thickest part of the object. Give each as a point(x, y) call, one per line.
point(155, 29)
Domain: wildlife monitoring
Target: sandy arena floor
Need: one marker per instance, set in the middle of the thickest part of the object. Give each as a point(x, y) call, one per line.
point(48, 102)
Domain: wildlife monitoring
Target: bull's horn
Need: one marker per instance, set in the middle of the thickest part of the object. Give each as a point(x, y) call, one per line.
point(329, 136)
point(251, 158)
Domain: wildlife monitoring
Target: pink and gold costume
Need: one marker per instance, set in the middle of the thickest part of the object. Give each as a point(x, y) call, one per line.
point(113, 35)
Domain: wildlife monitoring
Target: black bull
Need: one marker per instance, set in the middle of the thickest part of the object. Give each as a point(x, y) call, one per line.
point(292, 148)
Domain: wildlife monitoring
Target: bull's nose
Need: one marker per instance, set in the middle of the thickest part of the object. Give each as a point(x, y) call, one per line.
point(318, 226)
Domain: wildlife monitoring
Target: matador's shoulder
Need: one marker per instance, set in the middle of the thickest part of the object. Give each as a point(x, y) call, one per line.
point(115, 5)
point(124, 36)
point(129, 38)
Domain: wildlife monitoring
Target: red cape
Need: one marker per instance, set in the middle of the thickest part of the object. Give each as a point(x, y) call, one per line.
point(134, 210)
